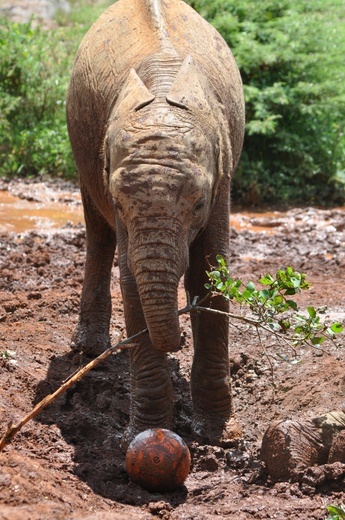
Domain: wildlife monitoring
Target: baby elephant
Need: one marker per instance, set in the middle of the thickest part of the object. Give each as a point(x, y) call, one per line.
point(156, 120)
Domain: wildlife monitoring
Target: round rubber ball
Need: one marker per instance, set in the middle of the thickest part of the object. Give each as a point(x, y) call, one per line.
point(158, 460)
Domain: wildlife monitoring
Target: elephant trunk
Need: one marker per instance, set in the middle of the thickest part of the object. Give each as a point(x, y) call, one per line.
point(157, 263)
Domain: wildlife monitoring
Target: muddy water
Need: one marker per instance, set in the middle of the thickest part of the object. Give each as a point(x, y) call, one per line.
point(258, 222)
point(40, 206)
point(18, 215)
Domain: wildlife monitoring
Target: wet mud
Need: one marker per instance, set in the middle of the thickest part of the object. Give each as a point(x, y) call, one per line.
point(67, 463)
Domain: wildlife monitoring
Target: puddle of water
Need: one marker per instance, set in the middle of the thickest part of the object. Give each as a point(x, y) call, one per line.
point(267, 222)
point(52, 209)
point(18, 215)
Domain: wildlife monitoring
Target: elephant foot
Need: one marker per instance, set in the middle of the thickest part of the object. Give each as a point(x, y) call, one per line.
point(224, 433)
point(91, 344)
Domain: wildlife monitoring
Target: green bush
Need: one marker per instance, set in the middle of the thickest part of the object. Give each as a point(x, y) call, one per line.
point(34, 68)
point(290, 54)
point(35, 65)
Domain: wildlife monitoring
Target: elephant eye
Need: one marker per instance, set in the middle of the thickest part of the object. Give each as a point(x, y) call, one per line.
point(199, 206)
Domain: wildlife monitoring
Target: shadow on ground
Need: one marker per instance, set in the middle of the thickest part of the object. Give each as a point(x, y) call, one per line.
point(92, 416)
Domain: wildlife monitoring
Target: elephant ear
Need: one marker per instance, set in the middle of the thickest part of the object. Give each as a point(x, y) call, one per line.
point(133, 95)
point(225, 158)
point(186, 91)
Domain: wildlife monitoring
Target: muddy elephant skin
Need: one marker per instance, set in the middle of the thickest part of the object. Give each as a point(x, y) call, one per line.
point(156, 119)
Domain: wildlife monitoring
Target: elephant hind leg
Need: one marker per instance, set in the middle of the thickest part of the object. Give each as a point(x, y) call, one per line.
point(92, 332)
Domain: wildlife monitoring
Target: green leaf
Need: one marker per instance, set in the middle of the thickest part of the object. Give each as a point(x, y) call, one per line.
point(296, 282)
point(337, 327)
point(266, 280)
point(264, 294)
point(290, 292)
point(299, 329)
point(220, 260)
point(247, 294)
point(292, 304)
point(278, 300)
point(285, 325)
point(317, 340)
point(250, 287)
point(311, 312)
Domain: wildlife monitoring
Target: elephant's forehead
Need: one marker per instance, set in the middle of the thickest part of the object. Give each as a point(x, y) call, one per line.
point(156, 119)
point(159, 137)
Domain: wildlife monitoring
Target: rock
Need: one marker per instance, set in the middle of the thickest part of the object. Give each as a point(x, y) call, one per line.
point(290, 446)
point(318, 475)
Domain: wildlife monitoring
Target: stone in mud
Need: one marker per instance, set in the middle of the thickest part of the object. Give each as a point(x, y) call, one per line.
point(318, 475)
point(289, 447)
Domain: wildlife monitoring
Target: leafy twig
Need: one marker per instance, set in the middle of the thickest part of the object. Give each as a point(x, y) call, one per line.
point(274, 309)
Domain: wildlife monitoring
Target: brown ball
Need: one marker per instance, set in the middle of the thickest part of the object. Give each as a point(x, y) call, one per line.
point(158, 460)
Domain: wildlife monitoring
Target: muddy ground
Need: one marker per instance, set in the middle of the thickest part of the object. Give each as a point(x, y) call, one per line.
point(67, 464)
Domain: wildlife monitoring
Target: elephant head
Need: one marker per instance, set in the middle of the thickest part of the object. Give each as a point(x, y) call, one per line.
point(163, 160)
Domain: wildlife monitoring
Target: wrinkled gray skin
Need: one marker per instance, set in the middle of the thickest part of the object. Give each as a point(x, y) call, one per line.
point(156, 118)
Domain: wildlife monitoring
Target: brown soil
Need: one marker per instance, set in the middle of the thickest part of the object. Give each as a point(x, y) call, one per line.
point(67, 464)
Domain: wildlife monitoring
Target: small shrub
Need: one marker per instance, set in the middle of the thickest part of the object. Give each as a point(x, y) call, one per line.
point(290, 55)
point(34, 67)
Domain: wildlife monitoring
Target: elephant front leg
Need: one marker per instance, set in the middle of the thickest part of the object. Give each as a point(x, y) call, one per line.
point(213, 420)
point(151, 399)
point(92, 332)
